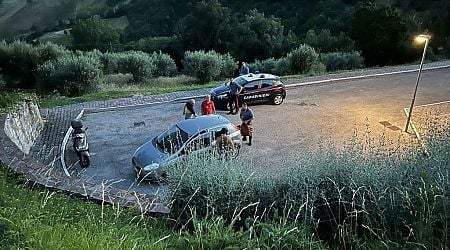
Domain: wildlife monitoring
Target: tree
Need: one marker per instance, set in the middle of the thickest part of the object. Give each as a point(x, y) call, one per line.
point(209, 27)
point(381, 34)
point(261, 37)
point(94, 33)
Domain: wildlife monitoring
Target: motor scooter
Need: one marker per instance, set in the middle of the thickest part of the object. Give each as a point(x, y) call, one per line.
point(80, 144)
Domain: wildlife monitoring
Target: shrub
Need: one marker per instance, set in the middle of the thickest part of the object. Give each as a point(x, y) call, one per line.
point(264, 66)
point(282, 67)
point(110, 62)
point(164, 64)
point(228, 65)
point(139, 64)
point(208, 66)
point(71, 75)
point(342, 60)
point(302, 59)
point(19, 60)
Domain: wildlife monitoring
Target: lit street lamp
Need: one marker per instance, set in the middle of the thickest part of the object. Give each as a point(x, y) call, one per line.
point(419, 39)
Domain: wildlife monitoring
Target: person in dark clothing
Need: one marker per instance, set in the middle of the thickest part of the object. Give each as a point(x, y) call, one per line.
point(246, 116)
point(244, 70)
point(237, 71)
point(235, 90)
point(188, 110)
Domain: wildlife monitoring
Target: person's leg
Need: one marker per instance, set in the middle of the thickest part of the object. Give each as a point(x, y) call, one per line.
point(230, 104)
point(250, 140)
point(237, 104)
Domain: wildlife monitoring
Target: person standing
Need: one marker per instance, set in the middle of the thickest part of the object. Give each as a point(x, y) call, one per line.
point(246, 116)
point(188, 110)
point(208, 107)
point(235, 90)
point(244, 69)
point(237, 71)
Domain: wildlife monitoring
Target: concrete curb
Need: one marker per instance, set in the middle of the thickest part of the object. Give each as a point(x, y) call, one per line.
point(293, 85)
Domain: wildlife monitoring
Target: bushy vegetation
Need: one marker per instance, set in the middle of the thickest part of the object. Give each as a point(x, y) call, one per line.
point(208, 66)
point(71, 75)
point(94, 33)
point(323, 41)
point(139, 64)
point(35, 218)
point(302, 59)
point(342, 60)
point(19, 61)
point(373, 192)
point(164, 64)
point(9, 99)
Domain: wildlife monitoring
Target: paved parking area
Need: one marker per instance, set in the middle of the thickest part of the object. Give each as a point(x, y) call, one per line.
point(310, 115)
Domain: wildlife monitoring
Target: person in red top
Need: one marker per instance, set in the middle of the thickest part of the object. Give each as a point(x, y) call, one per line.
point(207, 106)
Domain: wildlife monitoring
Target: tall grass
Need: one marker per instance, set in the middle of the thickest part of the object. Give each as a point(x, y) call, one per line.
point(36, 218)
point(372, 193)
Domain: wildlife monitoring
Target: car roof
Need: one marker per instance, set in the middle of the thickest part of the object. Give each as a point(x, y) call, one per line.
point(252, 77)
point(192, 126)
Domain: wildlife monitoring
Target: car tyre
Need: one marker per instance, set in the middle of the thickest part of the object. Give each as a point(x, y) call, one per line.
point(277, 99)
point(233, 107)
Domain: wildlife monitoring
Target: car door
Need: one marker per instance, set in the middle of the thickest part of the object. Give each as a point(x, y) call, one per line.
point(199, 144)
point(251, 92)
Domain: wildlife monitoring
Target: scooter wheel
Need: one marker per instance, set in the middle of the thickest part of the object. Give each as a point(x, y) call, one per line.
point(85, 161)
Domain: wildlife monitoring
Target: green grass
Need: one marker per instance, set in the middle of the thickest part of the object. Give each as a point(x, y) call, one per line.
point(10, 99)
point(35, 218)
point(118, 87)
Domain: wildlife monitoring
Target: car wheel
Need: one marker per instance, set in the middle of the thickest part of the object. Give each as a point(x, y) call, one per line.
point(277, 99)
point(233, 106)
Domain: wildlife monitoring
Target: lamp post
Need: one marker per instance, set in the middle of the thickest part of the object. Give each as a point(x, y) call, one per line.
point(420, 39)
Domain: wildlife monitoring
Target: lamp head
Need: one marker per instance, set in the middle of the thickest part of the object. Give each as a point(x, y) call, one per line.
point(422, 38)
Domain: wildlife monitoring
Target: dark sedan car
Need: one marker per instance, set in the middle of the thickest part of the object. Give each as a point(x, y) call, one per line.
point(258, 88)
point(187, 137)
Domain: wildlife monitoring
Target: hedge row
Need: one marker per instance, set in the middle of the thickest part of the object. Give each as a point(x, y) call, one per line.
point(305, 60)
point(53, 67)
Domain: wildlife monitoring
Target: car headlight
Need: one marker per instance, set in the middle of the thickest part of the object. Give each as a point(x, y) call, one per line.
point(151, 167)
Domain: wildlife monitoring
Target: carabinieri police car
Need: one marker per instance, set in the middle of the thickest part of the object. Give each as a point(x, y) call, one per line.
point(258, 88)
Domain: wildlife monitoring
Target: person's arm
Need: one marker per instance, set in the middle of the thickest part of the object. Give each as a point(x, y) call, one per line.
point(240, 88)
point(191, 109)
point(251, 116)
point(203, 108)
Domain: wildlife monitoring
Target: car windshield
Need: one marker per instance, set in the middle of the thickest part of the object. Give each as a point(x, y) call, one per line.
point(171, 140)
point(240, 80)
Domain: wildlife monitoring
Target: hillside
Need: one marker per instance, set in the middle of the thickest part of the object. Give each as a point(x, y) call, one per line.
point(382, 30)
point(19, 18)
